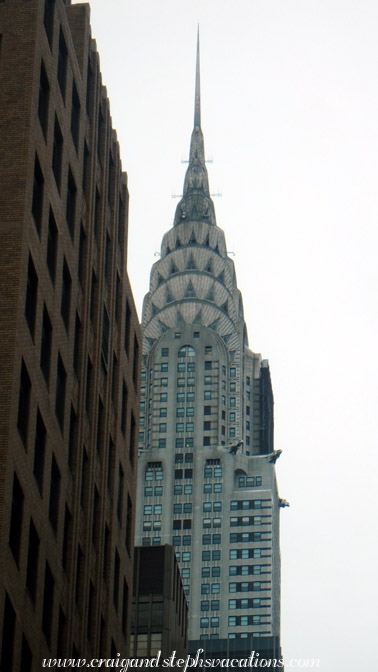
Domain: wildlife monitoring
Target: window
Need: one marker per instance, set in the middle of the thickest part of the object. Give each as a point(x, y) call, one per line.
point(207, 380)
point(205, 589)
point(232, 402)
point(205, 605)
point(162, 443)
point(185, 350)
point(191, 366)
point(188, 507)
point(147, 509)
point(190, 396)
point(208, 366)
point(190, 426)
point(39, 451)
point(43, 101)
point(75, 116)
point(206, 539)
point(48, 19)
point(162, 427)
point(31, 297)
point(179, 427)
point(215, 588)
point(16, 519)
point(52, 246)
point(208, 350)
point(214, 622)
point(190, 411)
point(66, 295)
point(164, 382)
point(186, 556)
point(164, 367)
point(217, 487)
point(32, 566)
point(46, 343)
point(158, 490)
point(163, 397)
point(215, 571)
point(54, 494)
point(57, 155)
point(165, 352)
point(24, 403)
point(204, 622)
point(177, 489)
point(207, 395)
point(217, 538)
point(181, 367)
point(48, 603)
point(181, 397)
point(180, 412)
point(180, 382)
point(60, 397)
point(232, 372)
point(188, 489)
point(217, 522)
point(38, 188)
point(62, 64)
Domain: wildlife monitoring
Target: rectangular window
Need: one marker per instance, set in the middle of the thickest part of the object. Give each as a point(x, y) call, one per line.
point(48, 19)
point(62, 64)
point(71, 203)
point(57, 155)
point(32, 566)
point(48, 604)
point(39, 451)
point(165, 352)
point(66, 295)
point(38, 189)
point(75, 116)
point(31, 297)
point(43, 100)
point(16, 519)
point(24, 403)
point(46, 343)
point(54, 494)
point(52, 246)
point(60, 397)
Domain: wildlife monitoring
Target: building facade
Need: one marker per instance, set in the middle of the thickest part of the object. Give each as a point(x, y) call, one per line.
point(69, 347)
point(159, 620)
point(206, 475)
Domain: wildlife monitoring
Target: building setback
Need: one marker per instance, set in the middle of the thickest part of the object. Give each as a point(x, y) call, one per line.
point(206, 474)
point(69, 347)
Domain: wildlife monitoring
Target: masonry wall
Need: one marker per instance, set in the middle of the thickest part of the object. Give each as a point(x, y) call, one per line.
point(69, 346)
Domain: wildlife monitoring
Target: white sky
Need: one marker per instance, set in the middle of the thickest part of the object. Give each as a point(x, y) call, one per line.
point(289, 114)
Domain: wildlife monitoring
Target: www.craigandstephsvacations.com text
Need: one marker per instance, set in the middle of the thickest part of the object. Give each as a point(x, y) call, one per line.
point(183, 664)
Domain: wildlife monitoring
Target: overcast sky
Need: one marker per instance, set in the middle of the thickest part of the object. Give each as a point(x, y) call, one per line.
point(290, 118)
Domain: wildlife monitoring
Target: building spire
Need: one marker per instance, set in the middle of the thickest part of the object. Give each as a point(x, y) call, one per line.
point(197, 100)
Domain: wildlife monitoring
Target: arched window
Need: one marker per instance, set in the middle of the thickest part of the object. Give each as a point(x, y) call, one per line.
point(186, 351)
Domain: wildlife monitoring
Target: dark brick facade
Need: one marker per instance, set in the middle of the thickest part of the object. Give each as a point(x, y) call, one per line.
point(69, 347)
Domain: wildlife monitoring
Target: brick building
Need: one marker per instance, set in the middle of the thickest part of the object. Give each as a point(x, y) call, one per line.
point(69, 346)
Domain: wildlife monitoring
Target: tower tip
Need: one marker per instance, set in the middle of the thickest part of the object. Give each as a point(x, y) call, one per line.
point(197, 102)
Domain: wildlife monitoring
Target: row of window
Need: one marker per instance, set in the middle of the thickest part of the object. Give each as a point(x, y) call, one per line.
point(207, 605)
point(254, 619)
point(207, 588)
point(248, 603)
point(246, 504)
point(149, 491)
point(248, 586)
point(246, 570)
point(186, 508)
point(213, 622)
point(240, 521)
point(249, 481)
point(187, 353)
point(243, 537)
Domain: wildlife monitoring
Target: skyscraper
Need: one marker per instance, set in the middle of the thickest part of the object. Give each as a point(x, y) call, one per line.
point(69, 346)
point(206, 473)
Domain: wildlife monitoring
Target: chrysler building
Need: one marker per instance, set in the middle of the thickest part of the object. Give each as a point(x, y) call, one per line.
point(206, 474)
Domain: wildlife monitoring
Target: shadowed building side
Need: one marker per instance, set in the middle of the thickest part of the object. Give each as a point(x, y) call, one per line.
point(69, 347)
